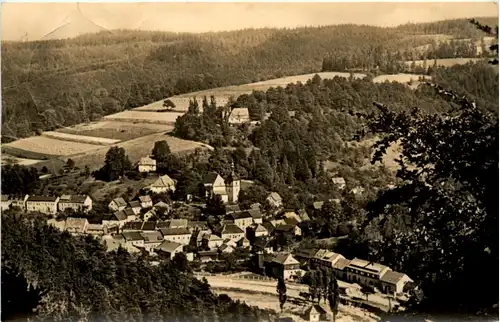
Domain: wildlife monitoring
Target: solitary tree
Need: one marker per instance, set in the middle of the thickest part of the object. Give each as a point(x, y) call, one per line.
point(168, 104)
point(333, 297)
point(161, 151)
point(281, 289)
point(70, 164)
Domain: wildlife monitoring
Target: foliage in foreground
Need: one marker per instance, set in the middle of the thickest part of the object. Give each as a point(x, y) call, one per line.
point(78, 280)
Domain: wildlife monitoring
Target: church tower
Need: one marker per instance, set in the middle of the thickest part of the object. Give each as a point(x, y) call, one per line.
point(233, 186)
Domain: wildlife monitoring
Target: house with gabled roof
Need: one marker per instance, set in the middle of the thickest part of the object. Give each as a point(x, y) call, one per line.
point(243, 243)
point(169, 248)
point(163, 184)
point(316, 313)
point(325, 258)
point(241, 219)
point(76, 225)
point(95, 229)
point(117, 204)
point(135, 206)
point(132, 226)
point(239, 115)
point(225, 248)
point(231, 231)
point(262, 246)
point(394, 282)
point(133, 238)
point(130, 214)
point(152, 239)
point(118, 218)
point(145, 201)
point(146, 164)
point(256, 215)
point(177, 235)
point(212, 241)
point(148, 226)
point(275, 200)
point(43, 204)
point(257, 230)
point(75, 202)
point(282, 265)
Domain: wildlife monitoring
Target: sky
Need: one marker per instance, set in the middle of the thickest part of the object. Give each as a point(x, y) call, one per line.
point(33, 21)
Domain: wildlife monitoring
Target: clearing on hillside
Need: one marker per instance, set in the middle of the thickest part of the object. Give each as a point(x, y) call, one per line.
point(79, 138)
point(121, 131)
point(222, 94)
point(45, 148)
point(167, 118)
point(400, 78)
point(446, 62)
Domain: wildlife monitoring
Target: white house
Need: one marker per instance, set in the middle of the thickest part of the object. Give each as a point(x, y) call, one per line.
point(75, 202)
point(163, 184)
point(239, 116)
point(169, 248)
point(43, 204)
point(213, 241)
point(133, 238)
point(117, 204)
point(275, 200)
point(232, 231)
point(177, 235)
point(135, 206)
point(215, 185)
point(146, 164)
point(146, 201)
point(152, 239)
point(339, 182)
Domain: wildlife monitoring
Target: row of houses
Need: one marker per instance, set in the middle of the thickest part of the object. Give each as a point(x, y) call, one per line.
point(47, 204)
point(357, 270)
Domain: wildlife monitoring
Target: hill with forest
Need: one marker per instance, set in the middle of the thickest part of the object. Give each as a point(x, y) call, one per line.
point(54, 83)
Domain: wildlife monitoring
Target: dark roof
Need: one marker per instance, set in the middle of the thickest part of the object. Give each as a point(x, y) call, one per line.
point(73, 198)
point(269, 226)
point(168, 246)
point(120, 215)
point(261, 242)
point(149, 225)
point(232, 208)
point(120, 202)
point(231, 229)
point(392, 277)
point(133, 225)
point(291, 221)
point(210, 178)
point(174, 231)
point(285, 228)
point(132, 235)
point(306, 253)
point(42, 198)
point(145, 198)
point(208, 253)
point(198, 224)
point(152, 236)
point(162, 224)
point(129, 212)
point(241, 215)
point(255, 213)
point(134, 204)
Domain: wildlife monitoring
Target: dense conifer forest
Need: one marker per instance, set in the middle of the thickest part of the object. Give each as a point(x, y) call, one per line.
point(49, 84)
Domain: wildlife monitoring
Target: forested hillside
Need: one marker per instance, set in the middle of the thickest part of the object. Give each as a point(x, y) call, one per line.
point(73, 279)
point(48, 84)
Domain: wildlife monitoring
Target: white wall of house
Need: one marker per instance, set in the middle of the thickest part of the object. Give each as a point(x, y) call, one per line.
point(46, 207)
point(181, 239)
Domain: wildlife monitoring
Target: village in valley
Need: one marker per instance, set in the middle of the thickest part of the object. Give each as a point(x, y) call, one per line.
point(220, 237)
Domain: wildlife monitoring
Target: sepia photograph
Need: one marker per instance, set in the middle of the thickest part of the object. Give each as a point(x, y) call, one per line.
point(249, 162)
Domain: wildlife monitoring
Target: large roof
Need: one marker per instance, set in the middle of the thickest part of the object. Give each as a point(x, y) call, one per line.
point(152, 236)
point(284, 258)
point(73, 198)
point(132, 236)
point(133, 225)
point(392, 277)
point(134, 204)
point(149, 225)
point(361, 264)
point(42, 198)
point(163, 181)
point(210, 178)
point(241, 215)
point(76, 223)
point(231, 229)
point(120, 215)
point(120, 202)
point(175, 231)
point(168, 246)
